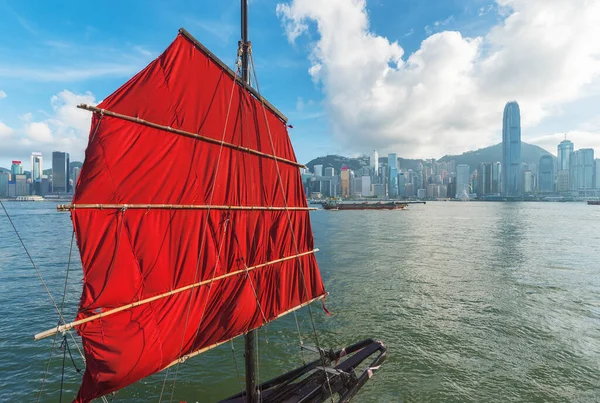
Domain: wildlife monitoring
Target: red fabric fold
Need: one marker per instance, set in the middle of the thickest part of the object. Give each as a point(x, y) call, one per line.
point(129, 255)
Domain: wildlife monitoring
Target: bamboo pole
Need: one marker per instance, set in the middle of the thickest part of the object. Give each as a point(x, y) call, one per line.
point(184, 358)
point(67, 207)
point(187, 134)
point(67, 326)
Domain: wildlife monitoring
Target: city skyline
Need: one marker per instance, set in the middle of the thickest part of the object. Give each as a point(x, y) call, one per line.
point(418, 107)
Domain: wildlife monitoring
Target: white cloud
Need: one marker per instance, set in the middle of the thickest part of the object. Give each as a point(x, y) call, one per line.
point(2, 94)
point(5, 131)
point(448, 96)
point(65, 128)
point(39, 132)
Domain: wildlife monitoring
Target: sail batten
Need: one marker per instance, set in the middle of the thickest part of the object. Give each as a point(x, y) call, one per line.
point(68, 326)
point(169, 129)
point(155, 211)
point(67, 207)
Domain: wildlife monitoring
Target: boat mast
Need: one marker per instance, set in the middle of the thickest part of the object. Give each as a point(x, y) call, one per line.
point(249, 338)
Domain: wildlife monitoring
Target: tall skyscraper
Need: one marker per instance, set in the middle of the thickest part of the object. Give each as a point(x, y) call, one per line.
point(511, 149)
point(462, 181)
point(597, 172)
point(329, 171)
point(4, 184)
point(375, 161)
point(496, 178)
point(546, 174)
point(37, 168)
point(484, 179)
point(345, 182)
point(393, 175)
point(60, 172)
point(582, 169)
point(565, 148)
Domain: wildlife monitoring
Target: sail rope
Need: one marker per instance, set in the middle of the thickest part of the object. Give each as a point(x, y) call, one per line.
point(237, 370)
point(62, 376)
point(290, 222)
point(47, 368)
point(212, 192)
point(39, 274)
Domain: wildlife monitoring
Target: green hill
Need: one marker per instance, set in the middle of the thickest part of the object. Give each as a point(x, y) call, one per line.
point(529, 154)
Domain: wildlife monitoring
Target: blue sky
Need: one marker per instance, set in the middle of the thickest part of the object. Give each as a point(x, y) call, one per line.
point(53, 54)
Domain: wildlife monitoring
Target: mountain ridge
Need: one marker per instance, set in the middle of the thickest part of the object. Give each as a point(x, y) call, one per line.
point(530, 153)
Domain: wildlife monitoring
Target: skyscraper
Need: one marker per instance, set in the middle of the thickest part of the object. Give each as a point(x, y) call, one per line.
point(318, 170)
point(546, 174)
point(37, 168)
point(597, 172)
point(462, 181)
point(511, 149)
point(375, 161)
point(16, 169)
point(484, 178)
point(329, 171)
point(393, 175)
point(496, 178)
point(60, 172)
point(565, 148)
point(345, 182)
point(582, 169)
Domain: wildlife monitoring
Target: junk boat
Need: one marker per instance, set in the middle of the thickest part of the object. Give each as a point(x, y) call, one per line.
point(177, 264)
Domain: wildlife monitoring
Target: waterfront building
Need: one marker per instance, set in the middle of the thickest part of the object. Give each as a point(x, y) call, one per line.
point(546, 174)
point(484, 179)
point(366, 185)
point(20, 185)
point(527, 181)
point(318, 170)
point(582, 169)
point(462, 181)
point(329, 171)
point(597, 172)
point(401, 184)
point(76, 172)
point(393, 175)
point(345, 182)
point(562, 181)
point(565, 148)
point(511, 149)
point(356, 187)
point(60, 172)
point(496, 181)
point(421, 193)
point(37, 170)
point(16, 169)
point(379, 190)
point(4, 178)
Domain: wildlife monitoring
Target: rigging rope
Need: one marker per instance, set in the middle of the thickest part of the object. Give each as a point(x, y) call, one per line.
point(47, 368)
point(62, 377)
point(237, 370)
point(290, 221)
point(212, 192)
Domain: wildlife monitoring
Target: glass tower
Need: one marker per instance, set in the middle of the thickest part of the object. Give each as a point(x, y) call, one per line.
point(511, 149)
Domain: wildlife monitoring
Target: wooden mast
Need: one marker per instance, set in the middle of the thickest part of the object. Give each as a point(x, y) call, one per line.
point(249, 338)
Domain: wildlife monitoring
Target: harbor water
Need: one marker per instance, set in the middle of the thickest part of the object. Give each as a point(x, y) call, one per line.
point(477, 302)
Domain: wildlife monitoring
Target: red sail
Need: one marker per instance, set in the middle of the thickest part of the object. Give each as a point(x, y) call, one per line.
point(131, 254)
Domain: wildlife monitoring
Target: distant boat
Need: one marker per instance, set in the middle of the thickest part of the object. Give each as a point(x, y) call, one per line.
point(594, 202)
point(364, 206)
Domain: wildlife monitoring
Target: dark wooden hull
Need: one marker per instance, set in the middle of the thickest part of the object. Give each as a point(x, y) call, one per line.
point(315, 382)
point(594, 202)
